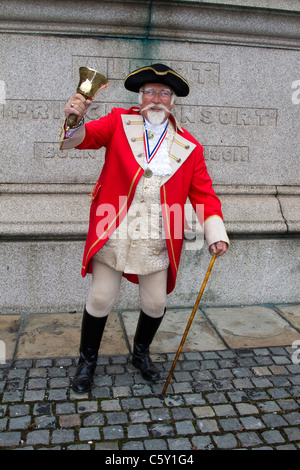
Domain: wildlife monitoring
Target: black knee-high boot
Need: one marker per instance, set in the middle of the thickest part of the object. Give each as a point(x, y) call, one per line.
point(91, 334)
point(145, 332)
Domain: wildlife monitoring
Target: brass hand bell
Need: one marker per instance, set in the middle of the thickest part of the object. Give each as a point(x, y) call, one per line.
point(90, 82)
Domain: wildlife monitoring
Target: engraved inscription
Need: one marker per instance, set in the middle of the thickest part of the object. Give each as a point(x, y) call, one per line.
point(96, 110)
point(115, 68)
point(50, 150)
point(207, 73)
point(26, 110)
point(227, 116)
point(222, 153)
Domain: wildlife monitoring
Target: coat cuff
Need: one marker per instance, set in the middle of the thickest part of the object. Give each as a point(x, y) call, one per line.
point(76, 138)
point(214, 230)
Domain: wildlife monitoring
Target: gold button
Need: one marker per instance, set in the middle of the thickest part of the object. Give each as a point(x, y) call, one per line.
point(187, 147)
point(128, 123)
point(133, 139)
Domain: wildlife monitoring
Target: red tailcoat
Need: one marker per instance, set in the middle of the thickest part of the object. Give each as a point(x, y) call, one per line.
point(121, 132)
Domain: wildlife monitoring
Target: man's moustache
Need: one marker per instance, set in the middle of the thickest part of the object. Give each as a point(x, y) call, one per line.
point(155, 106)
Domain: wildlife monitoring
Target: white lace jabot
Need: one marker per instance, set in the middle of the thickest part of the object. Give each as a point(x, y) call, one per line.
point(160, 164)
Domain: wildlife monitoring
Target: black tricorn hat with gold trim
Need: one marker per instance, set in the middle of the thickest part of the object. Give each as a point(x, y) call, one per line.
point(157, 73)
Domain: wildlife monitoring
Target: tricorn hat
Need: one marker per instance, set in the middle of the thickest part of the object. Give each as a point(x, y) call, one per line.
point(157, 73)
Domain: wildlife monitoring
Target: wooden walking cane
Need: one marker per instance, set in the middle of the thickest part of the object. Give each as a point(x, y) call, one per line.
point(189, 323)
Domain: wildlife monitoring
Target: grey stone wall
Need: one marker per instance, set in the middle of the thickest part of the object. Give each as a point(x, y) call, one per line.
point(242, 61)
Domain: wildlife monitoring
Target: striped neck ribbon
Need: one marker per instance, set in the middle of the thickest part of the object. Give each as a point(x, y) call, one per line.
point(150, 155)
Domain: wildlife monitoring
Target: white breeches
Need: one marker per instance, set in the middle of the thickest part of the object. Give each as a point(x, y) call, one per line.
point(105, 288)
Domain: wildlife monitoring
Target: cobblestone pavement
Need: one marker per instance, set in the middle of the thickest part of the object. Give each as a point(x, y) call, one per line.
point(228, 399)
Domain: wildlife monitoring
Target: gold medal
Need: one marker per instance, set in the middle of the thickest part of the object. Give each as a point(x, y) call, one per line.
point(148, 173)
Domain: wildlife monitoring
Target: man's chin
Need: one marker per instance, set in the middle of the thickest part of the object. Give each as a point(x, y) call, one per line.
point(156, 117)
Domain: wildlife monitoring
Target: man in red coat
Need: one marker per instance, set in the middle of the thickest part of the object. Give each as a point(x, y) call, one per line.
point(137, 218)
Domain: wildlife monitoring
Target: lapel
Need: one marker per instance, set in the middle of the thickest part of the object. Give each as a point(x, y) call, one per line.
point(133, 126)
point(180, 150)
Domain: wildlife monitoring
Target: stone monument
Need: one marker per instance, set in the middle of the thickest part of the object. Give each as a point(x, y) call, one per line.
point(241, 59)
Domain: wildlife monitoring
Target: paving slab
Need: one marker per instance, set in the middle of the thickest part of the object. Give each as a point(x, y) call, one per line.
point(252, 326)
point(9, 327)
point(58, 335)
point(201, 337)
point(291, 313)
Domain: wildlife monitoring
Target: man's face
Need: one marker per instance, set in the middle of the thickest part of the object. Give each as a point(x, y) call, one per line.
point(155, 101)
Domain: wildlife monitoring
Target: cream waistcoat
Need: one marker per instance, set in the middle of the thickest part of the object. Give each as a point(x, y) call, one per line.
point(138, 245)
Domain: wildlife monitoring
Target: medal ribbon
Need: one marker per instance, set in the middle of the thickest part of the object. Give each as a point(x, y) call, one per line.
point(150, 155)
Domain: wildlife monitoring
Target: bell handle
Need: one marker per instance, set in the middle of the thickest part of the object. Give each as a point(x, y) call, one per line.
point(72, 120)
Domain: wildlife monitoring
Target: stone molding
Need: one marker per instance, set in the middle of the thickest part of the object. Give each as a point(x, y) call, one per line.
point(61, 212)
point(156, 20)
